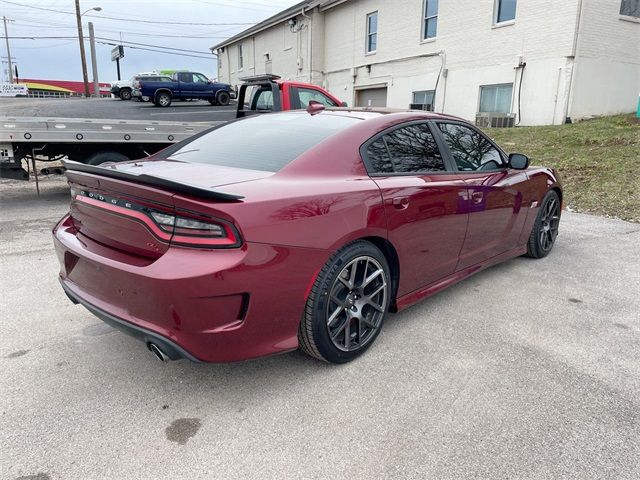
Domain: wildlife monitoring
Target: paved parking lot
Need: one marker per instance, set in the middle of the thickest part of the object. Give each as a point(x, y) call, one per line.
point(111, 108)
point(530, 369)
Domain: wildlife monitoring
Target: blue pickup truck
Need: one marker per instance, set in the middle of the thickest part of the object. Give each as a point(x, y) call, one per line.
point(186, 85)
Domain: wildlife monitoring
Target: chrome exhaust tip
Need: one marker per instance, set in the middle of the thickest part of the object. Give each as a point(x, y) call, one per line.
point(159, 354)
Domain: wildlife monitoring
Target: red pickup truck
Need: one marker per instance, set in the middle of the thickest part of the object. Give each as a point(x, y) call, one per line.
point(270, 93)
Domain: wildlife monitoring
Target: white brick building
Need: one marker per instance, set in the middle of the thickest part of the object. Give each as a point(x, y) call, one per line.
point(547, 59)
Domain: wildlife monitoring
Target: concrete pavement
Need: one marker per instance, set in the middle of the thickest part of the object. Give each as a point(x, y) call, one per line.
point(530, 369)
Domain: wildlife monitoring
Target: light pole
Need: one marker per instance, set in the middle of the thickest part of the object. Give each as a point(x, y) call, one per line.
point(6, 36)
point(83, 57)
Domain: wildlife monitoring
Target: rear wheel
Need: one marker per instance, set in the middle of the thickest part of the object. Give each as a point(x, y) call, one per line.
point(347, 304)
point(546, 226)
point(162, 99)
point(125, 94)
point(223, 98)
point(103, 157)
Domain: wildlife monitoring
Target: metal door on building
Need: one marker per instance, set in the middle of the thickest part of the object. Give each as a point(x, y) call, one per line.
point(371, 97)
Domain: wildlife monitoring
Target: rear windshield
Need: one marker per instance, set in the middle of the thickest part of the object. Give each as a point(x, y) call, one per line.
point(262, 142)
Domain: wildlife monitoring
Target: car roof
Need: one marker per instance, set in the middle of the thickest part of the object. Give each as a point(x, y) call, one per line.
point(397, 112)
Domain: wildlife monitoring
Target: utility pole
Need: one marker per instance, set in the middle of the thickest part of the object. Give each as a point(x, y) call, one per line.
point(6, 36)
point(94, 61)
point(83, 57)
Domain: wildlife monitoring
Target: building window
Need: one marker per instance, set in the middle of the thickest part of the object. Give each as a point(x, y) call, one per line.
point(424, 97)
point(372, 32)
point(505, 11)
point(240, 58)
point(496, 98)
point(630, 8)
point(430, 27)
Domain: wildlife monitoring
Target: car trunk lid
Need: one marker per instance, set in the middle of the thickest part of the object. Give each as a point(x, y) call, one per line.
point(118, 205)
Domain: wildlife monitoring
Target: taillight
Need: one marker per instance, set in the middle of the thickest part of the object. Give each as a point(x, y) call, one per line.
point(196, 232)
point(171, 228)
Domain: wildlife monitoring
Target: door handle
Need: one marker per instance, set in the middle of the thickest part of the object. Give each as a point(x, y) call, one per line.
point(477, 196)
point(401, 203)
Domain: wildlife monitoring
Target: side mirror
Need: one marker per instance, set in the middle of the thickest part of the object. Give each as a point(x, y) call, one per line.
point(518, 161)
point(344, 104)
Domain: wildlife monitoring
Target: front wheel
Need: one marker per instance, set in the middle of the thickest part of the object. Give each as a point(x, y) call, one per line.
point(545, 229)
point(125, 94)
point(347, 304)
point(223, 98)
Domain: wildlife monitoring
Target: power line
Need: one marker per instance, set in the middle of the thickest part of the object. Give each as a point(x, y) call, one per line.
point(210, 57)
point(132, 45)
point(141, 34)
point(104, 40)
point(160, 22)
point(124, 42)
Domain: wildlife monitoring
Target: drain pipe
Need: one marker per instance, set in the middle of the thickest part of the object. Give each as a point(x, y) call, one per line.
point(574, 56)
point(309, 47)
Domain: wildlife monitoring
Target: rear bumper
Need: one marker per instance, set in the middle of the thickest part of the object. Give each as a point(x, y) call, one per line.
point(209, 305)
point(115, 90)
point(170, 348)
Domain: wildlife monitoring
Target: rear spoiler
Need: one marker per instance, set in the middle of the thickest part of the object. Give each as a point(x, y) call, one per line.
point(151, 180)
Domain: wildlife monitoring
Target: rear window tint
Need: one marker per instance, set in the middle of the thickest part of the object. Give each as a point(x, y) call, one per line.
point(264, 142)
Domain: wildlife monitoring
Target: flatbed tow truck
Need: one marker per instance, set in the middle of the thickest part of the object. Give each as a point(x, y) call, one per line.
point(89, 141)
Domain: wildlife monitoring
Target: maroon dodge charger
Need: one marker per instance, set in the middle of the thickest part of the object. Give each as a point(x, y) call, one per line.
point(296, 229)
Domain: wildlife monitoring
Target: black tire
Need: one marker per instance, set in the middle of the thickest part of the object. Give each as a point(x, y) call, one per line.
point(223, 98)
point(125, 94)
point(316, 335)
point(162, 99)
point(103, 157)
point(545, 229)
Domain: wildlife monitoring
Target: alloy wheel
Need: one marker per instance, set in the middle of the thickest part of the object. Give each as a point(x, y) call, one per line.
point(549, 224)
point(356, 304)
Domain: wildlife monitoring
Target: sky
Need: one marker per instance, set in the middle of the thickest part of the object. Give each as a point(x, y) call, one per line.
point(190, 25)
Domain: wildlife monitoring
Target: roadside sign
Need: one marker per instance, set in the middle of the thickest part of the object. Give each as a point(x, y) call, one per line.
point(13, 90)
point(117, 53)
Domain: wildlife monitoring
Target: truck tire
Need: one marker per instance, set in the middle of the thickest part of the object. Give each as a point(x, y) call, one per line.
point(163, 99)
point(223, 98)
point(103, 157)
point(125, 94)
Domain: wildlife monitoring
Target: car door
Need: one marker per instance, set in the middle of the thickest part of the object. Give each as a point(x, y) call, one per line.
point(495, 192)
point(202, 87)
point(185, 87)
point(424, 202)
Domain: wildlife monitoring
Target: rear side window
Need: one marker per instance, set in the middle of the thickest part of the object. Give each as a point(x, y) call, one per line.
point(410, 149)
point(470, 149)
point(263, 100)
point(261, 142)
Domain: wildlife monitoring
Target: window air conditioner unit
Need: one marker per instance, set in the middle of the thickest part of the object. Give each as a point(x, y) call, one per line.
point(495, 120)
point(421, 106)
